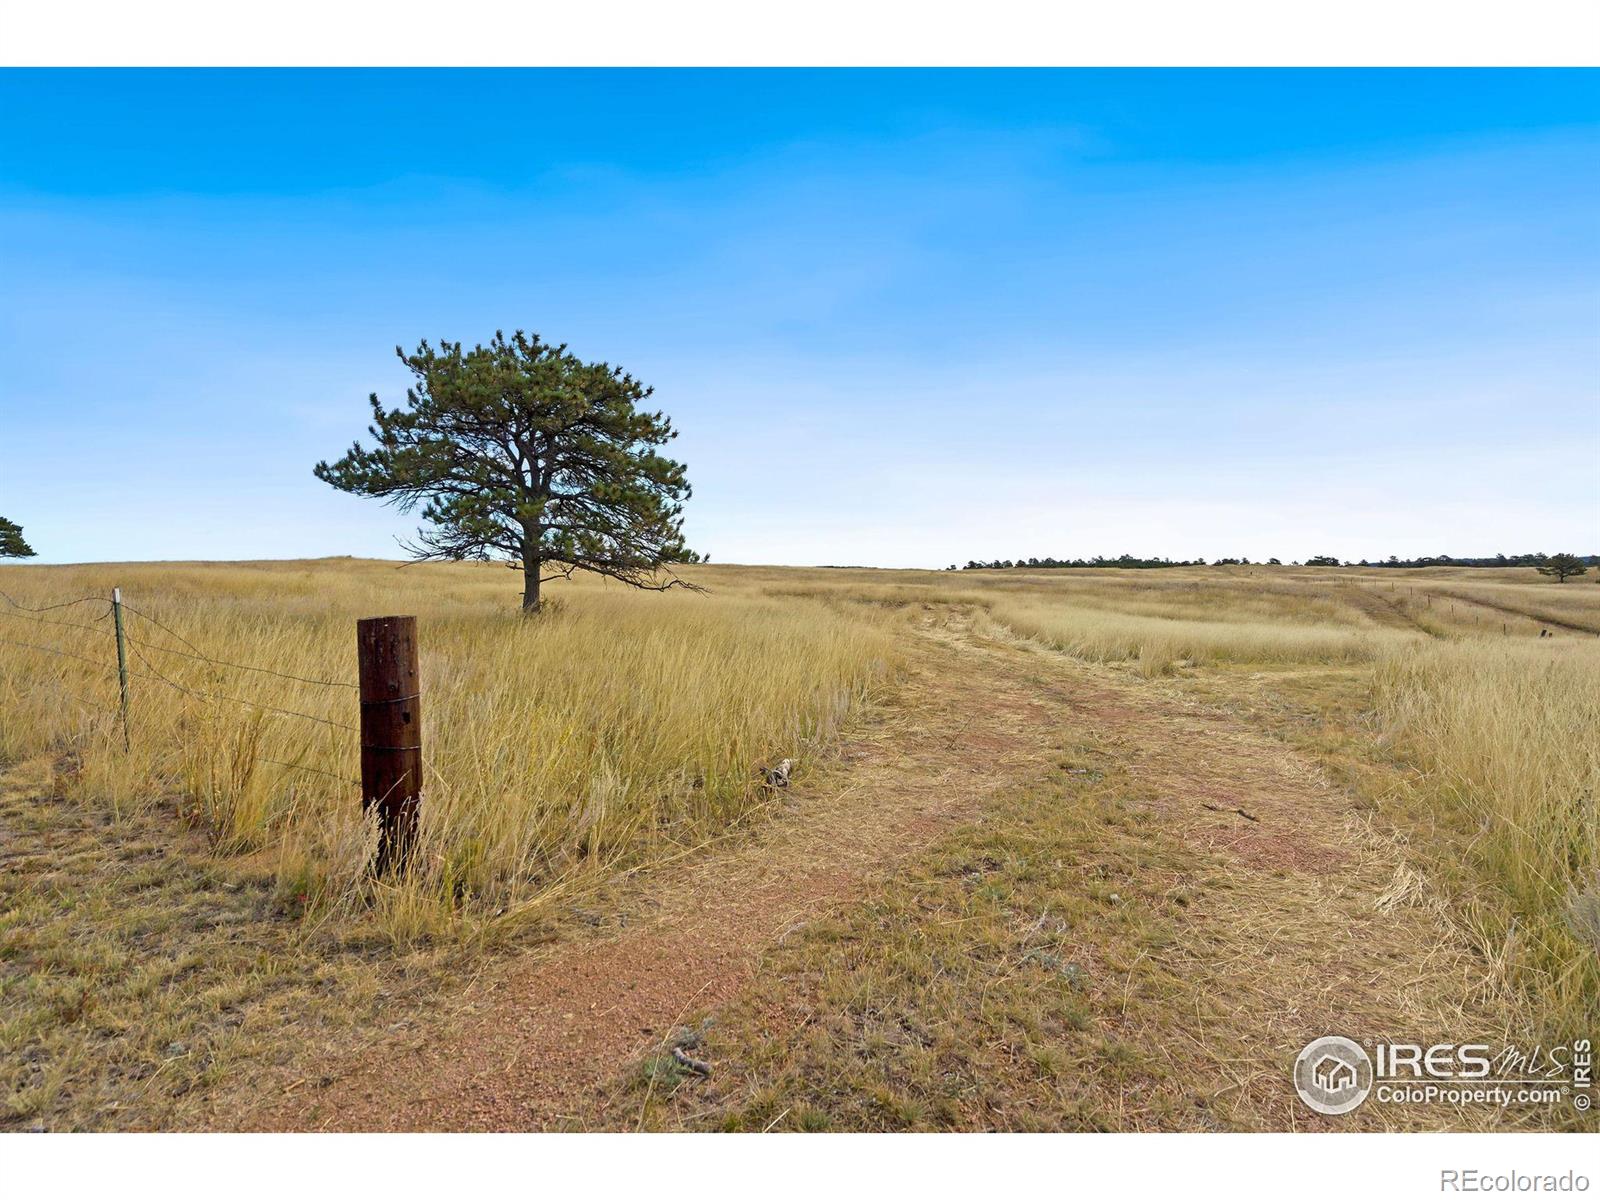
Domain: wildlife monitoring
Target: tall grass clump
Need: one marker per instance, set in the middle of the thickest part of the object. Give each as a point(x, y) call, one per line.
point(1508, 739)
point(615, 728)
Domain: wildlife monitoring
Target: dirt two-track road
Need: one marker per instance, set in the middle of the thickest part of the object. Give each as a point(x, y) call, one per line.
point(1314, 931)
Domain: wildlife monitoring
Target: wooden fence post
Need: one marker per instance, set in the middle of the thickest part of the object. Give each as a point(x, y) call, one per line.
point(391, 734)
point(122, 664)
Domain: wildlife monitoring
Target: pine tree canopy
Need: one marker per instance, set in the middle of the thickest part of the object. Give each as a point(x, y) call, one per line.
point(519, 450)
point(12, 544)
point(1563, 567)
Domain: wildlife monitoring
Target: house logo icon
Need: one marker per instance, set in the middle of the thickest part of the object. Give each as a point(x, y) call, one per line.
point(1333, 1075)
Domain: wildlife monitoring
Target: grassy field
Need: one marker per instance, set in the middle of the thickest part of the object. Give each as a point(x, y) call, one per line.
point(223, 850)
point(618, 727)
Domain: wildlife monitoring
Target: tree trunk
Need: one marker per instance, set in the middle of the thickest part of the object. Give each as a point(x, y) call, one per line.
point(530, 585)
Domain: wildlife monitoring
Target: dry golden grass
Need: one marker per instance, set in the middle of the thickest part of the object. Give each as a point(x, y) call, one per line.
point(1496, 728)
point(1508, 739)
point(623, 724)
point(1163, 620)
point(139, 971)
point(616, 726)
point(937, 1003)
point(1159, 643)
point(622, 728)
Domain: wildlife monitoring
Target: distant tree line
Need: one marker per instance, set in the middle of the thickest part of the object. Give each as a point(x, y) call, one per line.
point(1124, 560)
point(1499, 560)
point(1559, 565)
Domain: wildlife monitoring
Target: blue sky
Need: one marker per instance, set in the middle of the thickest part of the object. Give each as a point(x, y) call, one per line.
point(901, 318)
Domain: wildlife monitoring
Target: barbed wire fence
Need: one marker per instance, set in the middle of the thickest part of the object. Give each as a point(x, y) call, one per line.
point(388, 692)
point(146, 649)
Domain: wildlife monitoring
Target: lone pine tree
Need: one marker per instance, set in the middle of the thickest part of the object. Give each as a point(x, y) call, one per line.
point(1563, 567)
point(521, 451)
point(12, 544)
